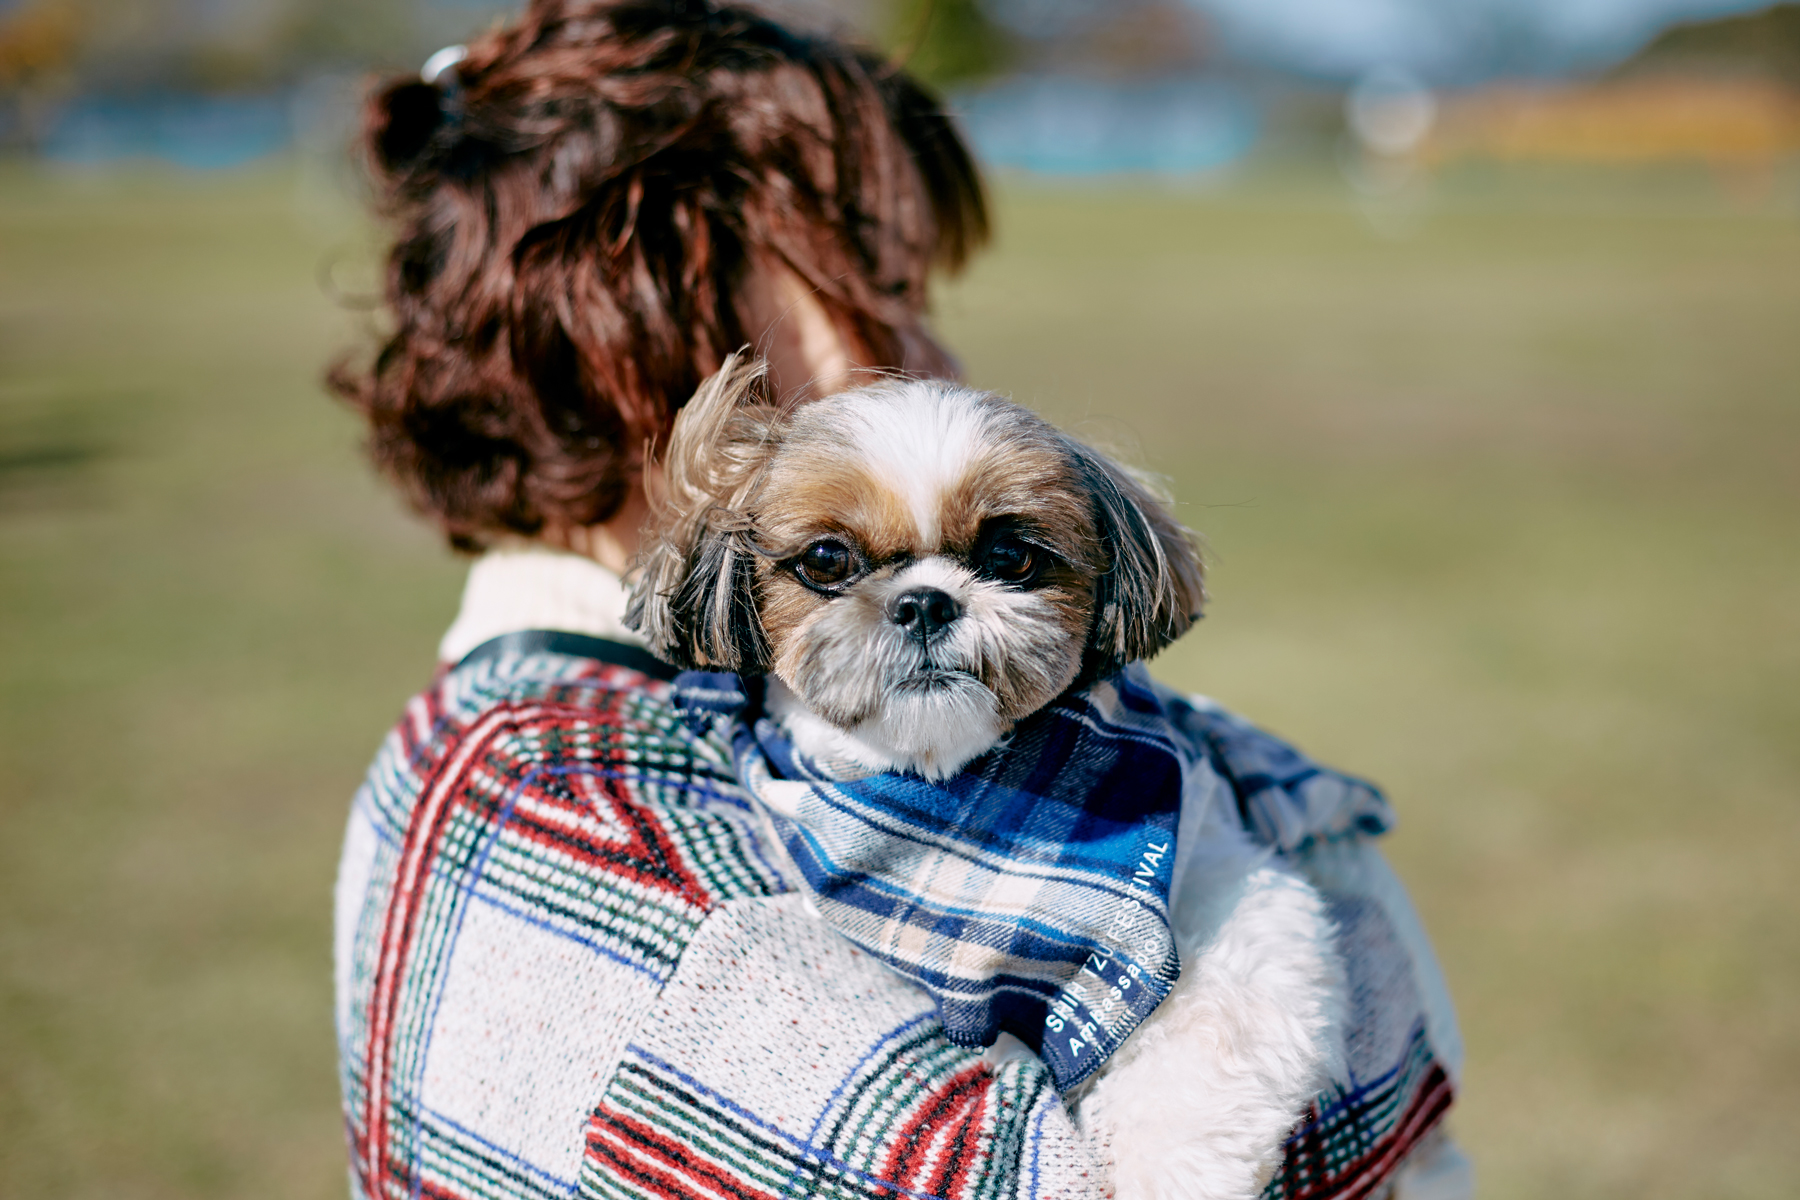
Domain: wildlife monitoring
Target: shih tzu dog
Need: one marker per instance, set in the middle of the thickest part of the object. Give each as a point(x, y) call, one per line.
point(921, 565)
point(916, 566)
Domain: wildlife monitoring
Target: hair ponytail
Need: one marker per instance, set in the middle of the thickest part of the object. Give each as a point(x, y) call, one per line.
point(404, 119)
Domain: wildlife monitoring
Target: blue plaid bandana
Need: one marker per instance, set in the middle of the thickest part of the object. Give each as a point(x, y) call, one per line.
point(1028, 893)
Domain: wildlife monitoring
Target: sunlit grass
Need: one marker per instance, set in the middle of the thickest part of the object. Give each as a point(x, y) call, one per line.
point(1505, 515)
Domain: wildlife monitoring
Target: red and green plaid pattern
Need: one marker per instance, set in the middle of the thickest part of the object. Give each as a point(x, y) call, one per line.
point(546, 862)
point(1351, 1141)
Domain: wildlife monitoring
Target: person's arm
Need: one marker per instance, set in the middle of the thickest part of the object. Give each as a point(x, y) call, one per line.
point(1380, 1120)
point(1403, 1051)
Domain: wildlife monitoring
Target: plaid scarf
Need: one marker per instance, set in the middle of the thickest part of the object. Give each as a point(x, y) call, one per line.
point(1028, 893)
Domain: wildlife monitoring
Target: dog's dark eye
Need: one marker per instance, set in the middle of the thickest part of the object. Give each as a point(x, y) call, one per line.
point(826, 563)
point(1011, 560)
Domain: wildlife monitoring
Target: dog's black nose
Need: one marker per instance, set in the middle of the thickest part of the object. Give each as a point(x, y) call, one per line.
point(924, 612)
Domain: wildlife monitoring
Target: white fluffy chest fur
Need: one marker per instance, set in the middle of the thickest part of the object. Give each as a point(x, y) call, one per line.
point(1198, 1101)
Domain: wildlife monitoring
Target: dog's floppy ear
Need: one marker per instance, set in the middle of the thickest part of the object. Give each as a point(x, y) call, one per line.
point(695, 598)
point(1155, 587)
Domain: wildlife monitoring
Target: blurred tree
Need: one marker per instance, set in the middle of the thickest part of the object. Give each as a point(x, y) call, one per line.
point(946, 42)
point(38, 45)
point(1121, 38)
point(37, 41)
point(336, 33)
point(135, 46)
point(1765, 43)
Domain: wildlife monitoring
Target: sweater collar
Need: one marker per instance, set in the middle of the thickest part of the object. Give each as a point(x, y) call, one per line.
point(523, 586)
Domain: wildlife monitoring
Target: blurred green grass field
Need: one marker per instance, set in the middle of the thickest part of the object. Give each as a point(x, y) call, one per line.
point(1505, 515)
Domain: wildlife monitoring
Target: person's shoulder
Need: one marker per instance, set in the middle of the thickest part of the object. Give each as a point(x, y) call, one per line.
point(596, 754)
point(1286, 800)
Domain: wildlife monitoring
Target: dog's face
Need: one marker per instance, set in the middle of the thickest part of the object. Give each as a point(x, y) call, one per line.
point(928, 566)
point(920, 563)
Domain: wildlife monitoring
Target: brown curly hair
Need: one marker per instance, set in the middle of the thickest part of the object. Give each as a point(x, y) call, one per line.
point(578, 203)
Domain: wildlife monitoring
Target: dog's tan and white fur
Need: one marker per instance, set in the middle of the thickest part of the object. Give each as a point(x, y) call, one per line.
point(917, 566)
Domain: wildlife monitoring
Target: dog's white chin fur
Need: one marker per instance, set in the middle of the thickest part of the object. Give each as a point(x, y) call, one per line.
point(932, 731)
point(1197, 1103)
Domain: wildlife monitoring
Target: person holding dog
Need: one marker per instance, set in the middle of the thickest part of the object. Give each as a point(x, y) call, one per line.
point(568, 957)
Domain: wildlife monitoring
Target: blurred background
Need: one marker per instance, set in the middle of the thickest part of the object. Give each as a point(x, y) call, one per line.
point(1468, 331)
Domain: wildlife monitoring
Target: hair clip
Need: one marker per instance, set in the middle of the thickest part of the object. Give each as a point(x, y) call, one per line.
point(440, 72)
point(438, 64)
